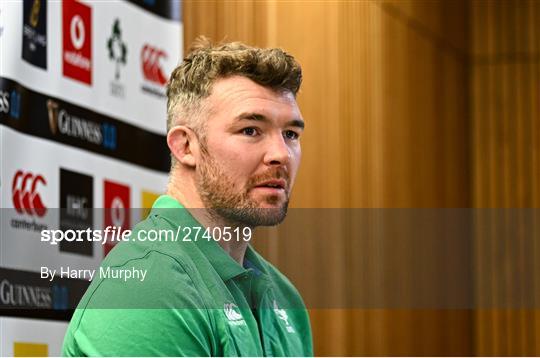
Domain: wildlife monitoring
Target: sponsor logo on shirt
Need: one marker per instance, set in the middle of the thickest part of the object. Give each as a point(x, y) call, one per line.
point(77, 41)
point(282, 315)
point(233, 315)
point(34, 47)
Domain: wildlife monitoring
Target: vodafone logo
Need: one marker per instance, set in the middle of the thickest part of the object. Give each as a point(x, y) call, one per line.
point(77, 41)
point(76, 30)
point(117, 205)
point(151, 65)
point(118, 211)
point(25, 193)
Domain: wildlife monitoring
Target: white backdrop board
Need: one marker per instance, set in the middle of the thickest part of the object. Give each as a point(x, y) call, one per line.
point(82, 128)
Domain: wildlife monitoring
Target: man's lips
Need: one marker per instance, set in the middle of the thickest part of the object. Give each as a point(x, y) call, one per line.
point(273, 184)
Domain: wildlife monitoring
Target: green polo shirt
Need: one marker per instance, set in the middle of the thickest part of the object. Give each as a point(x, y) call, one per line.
point(194, 300)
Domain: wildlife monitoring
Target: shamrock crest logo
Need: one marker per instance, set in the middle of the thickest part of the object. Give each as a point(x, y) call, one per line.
point(117, 48)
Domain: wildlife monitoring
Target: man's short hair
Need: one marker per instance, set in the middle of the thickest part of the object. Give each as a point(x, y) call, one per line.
point(191, 82)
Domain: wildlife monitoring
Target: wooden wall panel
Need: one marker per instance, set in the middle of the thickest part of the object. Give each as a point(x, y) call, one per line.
point(444, 22)
point(386, 100)
point(321, 171)
point(407, 136)
point(505, 67)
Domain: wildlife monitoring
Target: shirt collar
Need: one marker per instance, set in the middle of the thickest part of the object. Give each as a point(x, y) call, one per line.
point(226, 267)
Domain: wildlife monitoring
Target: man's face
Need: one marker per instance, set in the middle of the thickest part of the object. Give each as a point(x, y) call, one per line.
point(251, 152)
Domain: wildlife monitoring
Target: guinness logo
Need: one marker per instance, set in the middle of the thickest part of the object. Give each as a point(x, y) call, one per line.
point(52, 109)
point(21, 295)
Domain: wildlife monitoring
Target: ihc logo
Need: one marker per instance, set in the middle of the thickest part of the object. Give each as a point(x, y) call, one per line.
point(25, 197)
point(151, 67)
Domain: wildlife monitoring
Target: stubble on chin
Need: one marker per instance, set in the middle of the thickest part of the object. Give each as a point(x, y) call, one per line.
point(217, 191)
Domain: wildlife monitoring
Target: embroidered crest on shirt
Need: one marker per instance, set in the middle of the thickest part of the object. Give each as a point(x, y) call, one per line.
point(235, 318)
point(282, 314)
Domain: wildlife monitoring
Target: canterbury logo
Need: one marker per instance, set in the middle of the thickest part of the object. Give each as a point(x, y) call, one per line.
point(231, 313)
point(25, 197)
point(151, 66)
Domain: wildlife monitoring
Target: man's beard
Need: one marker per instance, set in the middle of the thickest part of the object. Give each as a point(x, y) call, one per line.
point(236, 207)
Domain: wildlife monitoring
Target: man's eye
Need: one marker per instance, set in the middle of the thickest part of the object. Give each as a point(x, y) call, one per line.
point(250, 131)
point(291, 134)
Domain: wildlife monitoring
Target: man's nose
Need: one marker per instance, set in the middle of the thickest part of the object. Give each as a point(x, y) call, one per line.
point(278, 152)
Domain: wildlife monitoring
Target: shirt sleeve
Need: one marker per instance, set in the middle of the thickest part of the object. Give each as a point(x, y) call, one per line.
point(160, 316)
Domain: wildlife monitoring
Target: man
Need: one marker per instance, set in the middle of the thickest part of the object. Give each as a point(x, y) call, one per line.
point(233, 131)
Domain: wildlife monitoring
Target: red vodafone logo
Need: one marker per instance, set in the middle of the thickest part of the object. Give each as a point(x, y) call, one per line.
point(77, 32)
point(77, 41)
point(117, 205)
point(151, 65)
point(25, 193)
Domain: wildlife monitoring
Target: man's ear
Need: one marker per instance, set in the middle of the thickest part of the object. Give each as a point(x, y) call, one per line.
point(184, 145)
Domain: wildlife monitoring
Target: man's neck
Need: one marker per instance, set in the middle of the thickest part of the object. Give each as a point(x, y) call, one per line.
point(235, 248)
